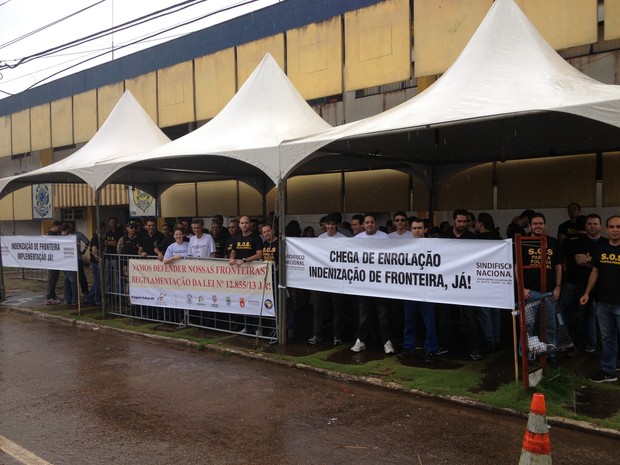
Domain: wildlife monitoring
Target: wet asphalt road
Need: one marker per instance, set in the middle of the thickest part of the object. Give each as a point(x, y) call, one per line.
point(74, 395)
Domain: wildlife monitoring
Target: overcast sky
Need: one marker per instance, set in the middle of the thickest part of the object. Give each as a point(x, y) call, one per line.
point(20, 17)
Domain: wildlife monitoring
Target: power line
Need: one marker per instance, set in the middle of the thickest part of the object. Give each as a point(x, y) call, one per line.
point(139, 40)
point(42, 28)
point(121, 27)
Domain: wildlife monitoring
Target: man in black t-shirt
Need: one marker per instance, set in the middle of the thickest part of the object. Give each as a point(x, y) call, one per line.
point(151, 240)
point(569, 227)
point(579, 248)
point(518, 224)
point(532, 290)
point(468, 315)
point(246, 247)
point(606, 275)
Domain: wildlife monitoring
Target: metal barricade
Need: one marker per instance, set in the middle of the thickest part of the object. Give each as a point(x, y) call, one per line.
point(116, 291)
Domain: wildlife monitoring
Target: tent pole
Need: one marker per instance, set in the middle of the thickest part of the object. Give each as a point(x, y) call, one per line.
point(2, 292)
point(431, 195)
point(100, 251)
point(264, 200)
point(281, 296)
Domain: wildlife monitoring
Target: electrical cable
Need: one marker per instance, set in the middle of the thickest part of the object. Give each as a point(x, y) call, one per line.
point(133, 42)
point(42, 28)
point(136, 22)
point(97, 35)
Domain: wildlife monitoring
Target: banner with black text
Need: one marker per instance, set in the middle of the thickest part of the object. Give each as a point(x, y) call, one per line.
point(210, 285)
point(40, 252)
point(452, 271)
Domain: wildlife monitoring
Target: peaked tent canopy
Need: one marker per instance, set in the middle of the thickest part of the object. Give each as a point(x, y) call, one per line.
point(242, 141)
point(509, 95)
point(128, 129)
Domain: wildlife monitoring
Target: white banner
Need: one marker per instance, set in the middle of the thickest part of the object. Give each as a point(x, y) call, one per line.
point(453, 271)
point(209, 285)
point(46, 252)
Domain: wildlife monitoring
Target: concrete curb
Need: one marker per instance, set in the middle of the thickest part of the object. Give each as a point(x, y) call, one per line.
point(367, 380)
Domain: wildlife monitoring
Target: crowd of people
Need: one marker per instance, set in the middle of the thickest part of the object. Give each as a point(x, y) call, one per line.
point(582, 278)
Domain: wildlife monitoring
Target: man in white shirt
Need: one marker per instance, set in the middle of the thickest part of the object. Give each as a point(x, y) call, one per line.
point(367, 304)
point(401, 225)
point(323, 300)
point(357, 224)
point(201, 245)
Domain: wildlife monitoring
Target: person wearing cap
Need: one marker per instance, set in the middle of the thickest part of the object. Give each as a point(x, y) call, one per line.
point(126, 247)
point(323, 300)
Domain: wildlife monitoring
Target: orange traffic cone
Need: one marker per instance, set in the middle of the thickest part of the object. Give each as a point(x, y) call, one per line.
point(536, 446)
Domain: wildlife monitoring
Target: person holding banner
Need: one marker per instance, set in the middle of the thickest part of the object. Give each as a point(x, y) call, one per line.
point(178, 249)
point(233, 232)
point(401, 226)
point(367, 304)
point(127, 247)
point(490, 318)
point(457, 231)
point(426, 310)
point(246, 247)
point(357, 224)
point(53, 275)
point(322, 300)
point(70, 285)
point(151, 240)
point(94, 295)
point(201, 245)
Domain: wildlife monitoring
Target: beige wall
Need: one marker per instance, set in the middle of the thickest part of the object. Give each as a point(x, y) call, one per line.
point(377, 45)
point(216, 82)
point(547, 182)
point(20, 131)
point(84, 116)
point(41, 127)
point(175, 94)
point(441, 29)
point(314, 58)
point(62, 122)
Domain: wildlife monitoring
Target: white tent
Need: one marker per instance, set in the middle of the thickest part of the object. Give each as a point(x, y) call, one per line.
point(242, 141)
point(128, 129)
point(509, 95)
